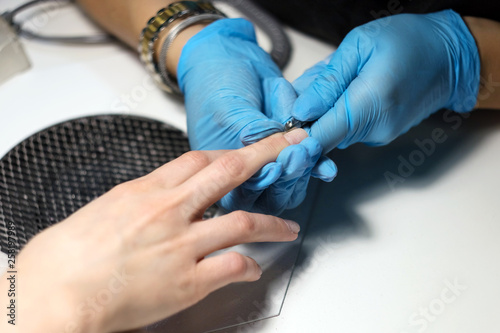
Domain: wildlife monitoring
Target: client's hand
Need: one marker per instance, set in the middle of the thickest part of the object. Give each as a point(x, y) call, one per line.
point(137, 254)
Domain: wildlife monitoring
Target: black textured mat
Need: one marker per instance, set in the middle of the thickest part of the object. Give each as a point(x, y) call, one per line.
point(58, 170)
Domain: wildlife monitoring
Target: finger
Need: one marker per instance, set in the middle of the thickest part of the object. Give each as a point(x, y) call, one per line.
point(276, 198)
point(232, 169)
point(333, 128)
point(216, 272)
point(242, 121)
point(258, 130)
point(279, 96)
point(244, 196)
point(325, 169)
point(323, 92)
point(182, 168)
point(281, 195)
point(241, 227)
point(264, 177)
point(290, 189)
point(299, 192)
point(302, 82)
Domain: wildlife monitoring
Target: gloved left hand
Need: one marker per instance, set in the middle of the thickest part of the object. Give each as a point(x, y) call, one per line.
point(220, 72)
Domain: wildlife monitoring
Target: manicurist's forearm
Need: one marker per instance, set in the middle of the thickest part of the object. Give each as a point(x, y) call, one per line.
point(125, 20)
point(487, 35)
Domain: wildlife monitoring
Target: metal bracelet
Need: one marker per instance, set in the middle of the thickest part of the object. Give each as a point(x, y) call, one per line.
point(164, 18)
point(168, 79)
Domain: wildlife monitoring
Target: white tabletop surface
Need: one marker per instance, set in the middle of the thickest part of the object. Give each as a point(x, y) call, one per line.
point(420, 256)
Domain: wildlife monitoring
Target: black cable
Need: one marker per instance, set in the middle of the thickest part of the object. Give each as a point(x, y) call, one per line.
point(9, 16)
point(280, 51)
point(281, 48)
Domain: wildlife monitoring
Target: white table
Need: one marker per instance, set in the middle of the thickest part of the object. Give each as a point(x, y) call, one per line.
point(421, 256)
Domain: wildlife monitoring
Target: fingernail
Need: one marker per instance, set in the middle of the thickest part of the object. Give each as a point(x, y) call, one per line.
point(295, 136)
point(293, 226)
point(258, 272)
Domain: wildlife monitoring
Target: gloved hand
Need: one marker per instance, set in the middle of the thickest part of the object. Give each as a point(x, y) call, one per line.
point(283, 184)
point(387, 76)
point(220, 72)
point(229, 87)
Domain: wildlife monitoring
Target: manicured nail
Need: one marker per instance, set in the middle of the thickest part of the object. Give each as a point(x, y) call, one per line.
point(296, 136)
point(293, 226)
point(258, 271)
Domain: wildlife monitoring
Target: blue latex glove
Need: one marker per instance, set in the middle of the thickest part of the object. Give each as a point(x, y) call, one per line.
point(222, 72)
point(278, 104)
point(387, 76)
point(283, 184)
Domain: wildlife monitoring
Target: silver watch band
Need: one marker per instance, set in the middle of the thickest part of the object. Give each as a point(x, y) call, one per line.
point(168, 79)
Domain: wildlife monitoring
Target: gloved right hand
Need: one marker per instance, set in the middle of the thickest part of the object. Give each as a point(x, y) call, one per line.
point(283, 184)
point(387, 76)
point(220, 72)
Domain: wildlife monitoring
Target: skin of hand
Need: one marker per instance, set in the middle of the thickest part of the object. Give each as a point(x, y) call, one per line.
point(137, 254)
point(387, 76)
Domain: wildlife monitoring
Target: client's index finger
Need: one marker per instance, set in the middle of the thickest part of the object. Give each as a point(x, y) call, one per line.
point(235, 167)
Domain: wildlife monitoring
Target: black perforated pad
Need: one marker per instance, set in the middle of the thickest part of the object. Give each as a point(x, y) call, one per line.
point(55, 172)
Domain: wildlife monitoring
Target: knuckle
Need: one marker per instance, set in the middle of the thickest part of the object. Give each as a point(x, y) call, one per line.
point(245, 222)
point(196, 158)
point(127, 188)
point(188, 288)
point(237, 264)
point(273, 145)
point(232, 164)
